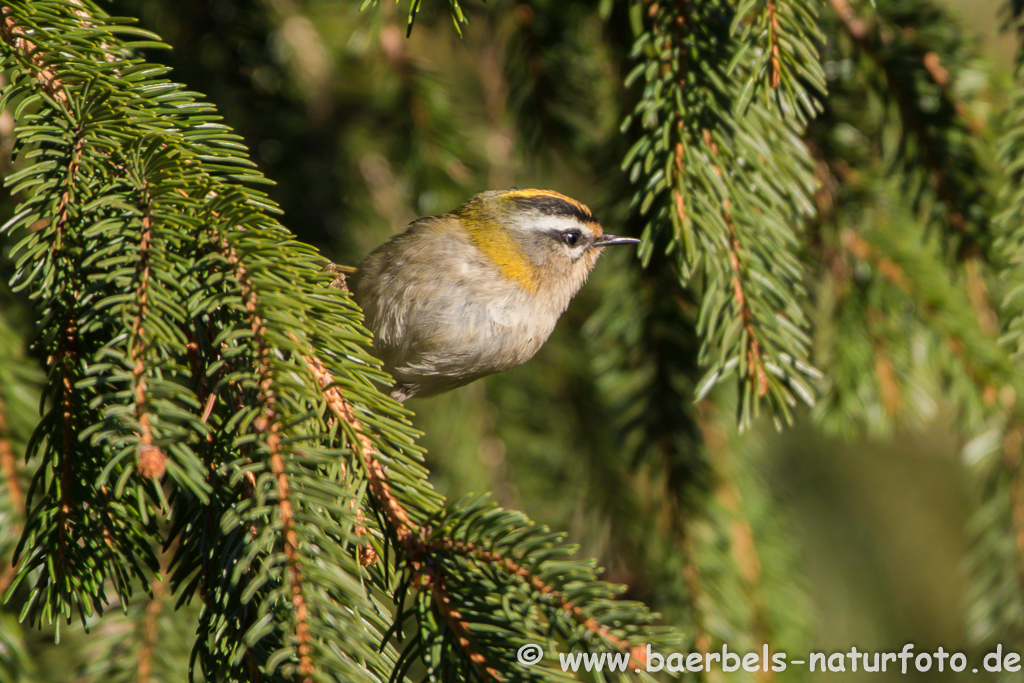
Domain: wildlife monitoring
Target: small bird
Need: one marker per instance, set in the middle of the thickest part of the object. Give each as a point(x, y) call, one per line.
point(477, 290)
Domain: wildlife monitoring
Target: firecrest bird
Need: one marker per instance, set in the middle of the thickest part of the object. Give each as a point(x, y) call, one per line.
point(477, 290)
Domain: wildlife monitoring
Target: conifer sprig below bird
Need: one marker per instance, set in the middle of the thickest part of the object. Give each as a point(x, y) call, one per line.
point(478, 290)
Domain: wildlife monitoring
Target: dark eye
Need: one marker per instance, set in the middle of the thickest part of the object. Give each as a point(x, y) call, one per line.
point(572, 238)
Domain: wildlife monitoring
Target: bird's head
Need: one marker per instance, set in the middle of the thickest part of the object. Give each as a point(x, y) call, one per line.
point(542, 240)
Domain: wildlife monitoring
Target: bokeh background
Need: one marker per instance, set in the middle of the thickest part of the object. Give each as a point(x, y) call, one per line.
point(813, 537)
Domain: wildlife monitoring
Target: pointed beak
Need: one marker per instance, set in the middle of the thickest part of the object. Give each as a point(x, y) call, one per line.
point(607, 240)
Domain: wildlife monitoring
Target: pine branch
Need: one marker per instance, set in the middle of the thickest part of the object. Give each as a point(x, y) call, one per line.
point(937, 129)
point(423, 548)
point(214, 381)
point(716, 174)
point(786, 67)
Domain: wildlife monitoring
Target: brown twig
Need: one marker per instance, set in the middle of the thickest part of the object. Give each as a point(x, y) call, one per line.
point(864, 35)
point(679, 37)
point(405, 530)
point(16, 36)
point(755, 364)
point(291, 543)
point(25, 48)
point(150, 632)
point(941, 76)
point(638, 655)
point(885, 372)
point(9, 471)
point(268, 422)
point(152, 461)
point(409, 535)
point(891, 271)
point(440, 596)
point(774, 64)
point(9, 466)
point(64, 356)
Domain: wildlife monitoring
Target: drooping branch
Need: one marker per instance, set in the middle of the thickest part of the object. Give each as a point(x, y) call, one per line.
point(269, 422)
point(413, 538)
point(755, 364)
point(873, 40)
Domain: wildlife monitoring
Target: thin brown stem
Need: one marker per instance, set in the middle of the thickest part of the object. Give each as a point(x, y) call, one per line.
point(9, 465)
point(404, 529)
point(891, 271)
point(871, 41)
point(16, 36)
point(291, 553)
point(441, 597)
point(638, 655)
point(268, 422)
point(152, 461)
point(755, 363)
point(150, 632)
point(774, 63)
point(9, 472)
point(677, 39)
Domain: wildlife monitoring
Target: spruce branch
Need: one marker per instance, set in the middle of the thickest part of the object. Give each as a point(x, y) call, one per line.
point(421, 548)
point(638, 655)
point(943, 135)
point(974, 345)
point(785, 70)
point(707, 165)
point(269, 422)
point(15, 36)
point(182, 321)
point(400, 522)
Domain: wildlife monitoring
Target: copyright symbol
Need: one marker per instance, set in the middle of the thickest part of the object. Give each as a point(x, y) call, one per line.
point(529, 654)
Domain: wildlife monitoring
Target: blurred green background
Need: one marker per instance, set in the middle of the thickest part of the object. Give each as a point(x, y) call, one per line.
point(863, 540)
point(363, 130)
